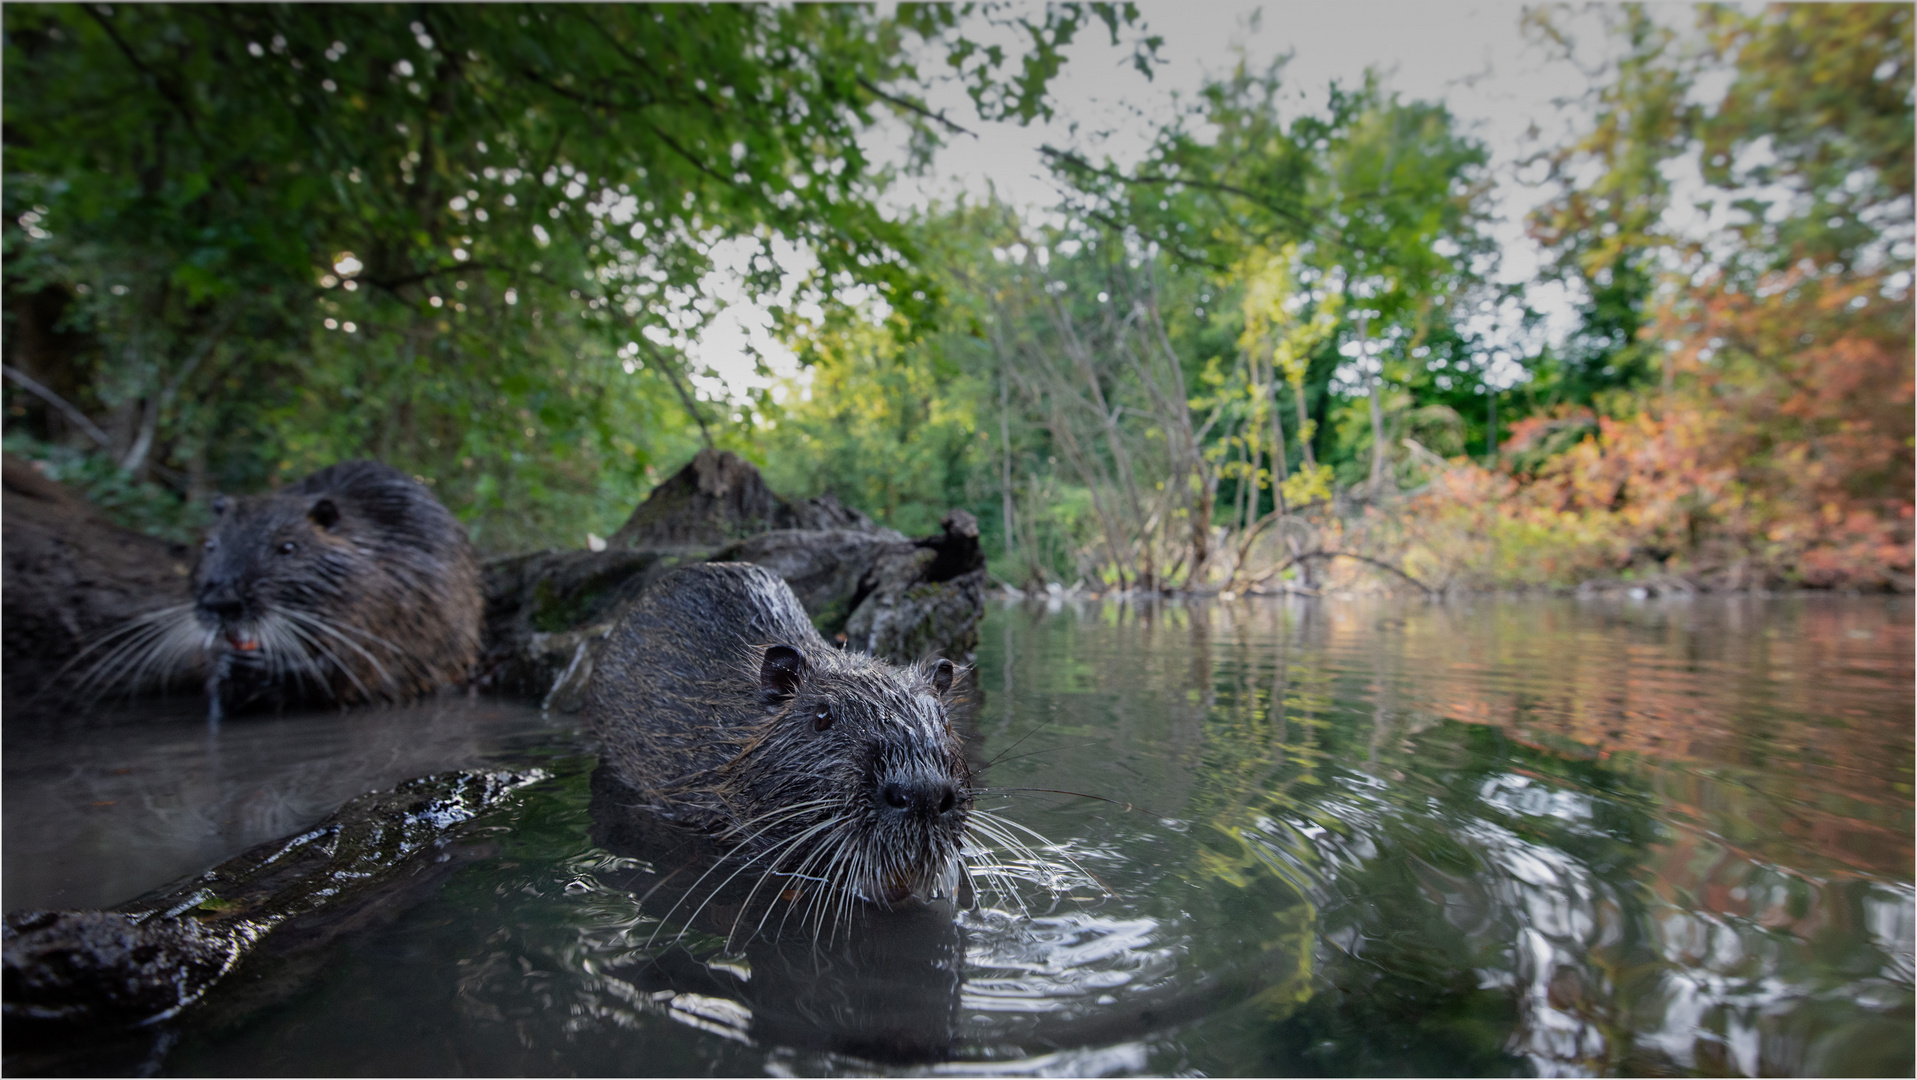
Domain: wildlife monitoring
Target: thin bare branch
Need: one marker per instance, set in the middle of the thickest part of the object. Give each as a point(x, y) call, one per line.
point(67, 409)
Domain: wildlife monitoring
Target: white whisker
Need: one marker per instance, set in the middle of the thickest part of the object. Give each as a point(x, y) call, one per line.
point(709, 872)
point(316, 624)
point(137, 651)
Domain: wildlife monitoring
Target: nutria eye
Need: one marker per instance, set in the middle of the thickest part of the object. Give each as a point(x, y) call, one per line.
point(208, 544)
point(288, 548)
point(823, 720)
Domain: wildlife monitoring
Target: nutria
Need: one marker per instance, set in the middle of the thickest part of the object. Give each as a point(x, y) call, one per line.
point(352, 585)
point(720, 706)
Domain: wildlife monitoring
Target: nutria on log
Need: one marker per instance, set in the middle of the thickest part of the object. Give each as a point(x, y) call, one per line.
point(838, 774)
point(353, 585)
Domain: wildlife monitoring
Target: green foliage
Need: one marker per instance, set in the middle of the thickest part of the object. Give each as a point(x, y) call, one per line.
point(465, 239)
point(1606, 353)
point(1147, 390)
point(893, 433)
point(1826, 89)
point(142, 506)
point(1382, 201)
point(475, 241)
point(1809, 146)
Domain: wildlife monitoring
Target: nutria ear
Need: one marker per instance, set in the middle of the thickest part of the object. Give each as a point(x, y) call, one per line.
point(324, 513)
point(942, 673)
point(218, 505)
point(779, 675)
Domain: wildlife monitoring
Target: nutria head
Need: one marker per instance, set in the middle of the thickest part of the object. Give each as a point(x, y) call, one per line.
point(353, 585)
point(857, 770)
point(268, 561)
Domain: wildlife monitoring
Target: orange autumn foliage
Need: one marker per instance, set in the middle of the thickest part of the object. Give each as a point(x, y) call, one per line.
point(1782, 454)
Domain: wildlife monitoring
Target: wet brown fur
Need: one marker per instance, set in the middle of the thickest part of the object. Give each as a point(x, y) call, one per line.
point(848, 762)
point(393, 571)
point(353, 585)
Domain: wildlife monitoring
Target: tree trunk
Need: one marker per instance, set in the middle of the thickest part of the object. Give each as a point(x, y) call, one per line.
point(1304, 426)
point(1280, 467)
point(1005, 471)
point(1377, 410)
point(1491, 434)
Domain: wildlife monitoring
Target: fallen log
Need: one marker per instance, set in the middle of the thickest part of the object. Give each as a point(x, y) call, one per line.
point(72, 575)
point(99, 971)
point(868, 587)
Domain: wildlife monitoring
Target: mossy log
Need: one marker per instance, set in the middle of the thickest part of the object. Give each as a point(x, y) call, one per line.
point(70, 575)
point(868, 587)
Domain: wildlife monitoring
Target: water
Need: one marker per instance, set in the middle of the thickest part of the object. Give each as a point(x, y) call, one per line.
point(1501, 837)
point(102, 806)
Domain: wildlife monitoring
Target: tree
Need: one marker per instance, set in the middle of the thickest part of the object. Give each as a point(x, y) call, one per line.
point(1777, 448)
point(466, 238)
point(1404, 199)
point(1826, 90)
point(1382, 198)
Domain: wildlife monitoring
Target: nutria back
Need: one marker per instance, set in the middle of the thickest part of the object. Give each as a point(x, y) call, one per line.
point(720, 705)
point(353, 585)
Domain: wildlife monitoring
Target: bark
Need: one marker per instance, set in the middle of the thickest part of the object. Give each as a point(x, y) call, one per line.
point(1005, 471)
point(1377, 411)
point(70, 575)
point(1304, 424)
point(75, 975)
point(1281, 466)
point(867, 587)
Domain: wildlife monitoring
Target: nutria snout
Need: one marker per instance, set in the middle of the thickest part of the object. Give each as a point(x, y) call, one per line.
point(353, 585)
point(842, 776)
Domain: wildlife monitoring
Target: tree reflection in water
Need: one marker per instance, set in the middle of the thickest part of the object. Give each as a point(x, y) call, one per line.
point(1542, 838)
point(1528, 837)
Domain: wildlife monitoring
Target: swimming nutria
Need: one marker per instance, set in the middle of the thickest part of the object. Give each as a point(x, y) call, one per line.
point(352, 585)
point(721, 706)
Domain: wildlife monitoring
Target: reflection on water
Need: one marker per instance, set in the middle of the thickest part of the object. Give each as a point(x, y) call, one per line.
point(1526, 837)
point(1537, 837)
point(101, 807)
point(741, 963)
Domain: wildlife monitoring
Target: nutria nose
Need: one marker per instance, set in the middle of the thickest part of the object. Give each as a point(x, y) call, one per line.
point(928, 797)
point(225, 604)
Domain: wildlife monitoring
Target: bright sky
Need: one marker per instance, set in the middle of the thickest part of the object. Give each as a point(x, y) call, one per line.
point(1474, 56)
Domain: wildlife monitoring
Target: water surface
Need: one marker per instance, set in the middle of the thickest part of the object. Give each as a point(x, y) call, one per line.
point(102, 805)
point(1500, 837)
